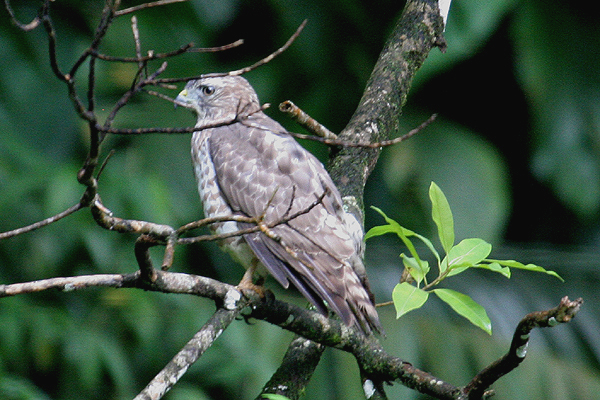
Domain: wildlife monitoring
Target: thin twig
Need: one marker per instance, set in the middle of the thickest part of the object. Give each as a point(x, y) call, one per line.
point(376, 145)
point(242, 70)
point(306, 120)
point(187, 48)
point(215, 49)
point(254, 221)
point(35, 22)
point(40, 224)
point(108, 14)
point(271, 56)
point(51, 33)
point(128, 94)
point(227, 120)
point(146, 5)
point(136, 39)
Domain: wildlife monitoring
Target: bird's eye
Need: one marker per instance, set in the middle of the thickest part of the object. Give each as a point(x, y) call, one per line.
point(207, 90)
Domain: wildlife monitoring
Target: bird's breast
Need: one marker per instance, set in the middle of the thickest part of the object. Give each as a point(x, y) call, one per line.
point(214, 203)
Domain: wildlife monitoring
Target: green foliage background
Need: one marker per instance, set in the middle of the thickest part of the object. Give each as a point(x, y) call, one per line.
point(515, 148)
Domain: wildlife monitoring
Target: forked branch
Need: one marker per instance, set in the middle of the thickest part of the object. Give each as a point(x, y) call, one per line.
point(375, 362)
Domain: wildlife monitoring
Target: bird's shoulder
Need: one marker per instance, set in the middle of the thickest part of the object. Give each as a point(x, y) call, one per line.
point(257, 162)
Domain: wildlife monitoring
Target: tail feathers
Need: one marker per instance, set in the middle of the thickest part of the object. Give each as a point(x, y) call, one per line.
point(361, 302)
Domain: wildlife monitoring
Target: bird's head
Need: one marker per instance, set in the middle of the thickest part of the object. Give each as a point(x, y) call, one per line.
point(219, 97)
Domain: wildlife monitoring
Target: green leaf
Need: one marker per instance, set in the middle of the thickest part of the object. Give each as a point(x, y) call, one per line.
point(272, 396)
point(427, 243)
point(403, 233)
point(458, 270)
point(466, 307)
point(379, 230)
point(442, 216)
point(407, 297)
point(494, 266)
point(468, 253)
point(416, 270)
point(528, 267)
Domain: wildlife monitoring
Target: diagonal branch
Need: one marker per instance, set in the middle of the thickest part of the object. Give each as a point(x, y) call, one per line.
point(561, 314)
point(296, 369)
point(417, 32)
point(190, 353)
point(42, 223)
point(374, 362)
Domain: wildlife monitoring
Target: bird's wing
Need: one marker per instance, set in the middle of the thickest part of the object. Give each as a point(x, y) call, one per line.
point(262, 171)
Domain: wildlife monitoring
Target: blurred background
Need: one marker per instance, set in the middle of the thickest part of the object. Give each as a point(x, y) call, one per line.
point(516, 149)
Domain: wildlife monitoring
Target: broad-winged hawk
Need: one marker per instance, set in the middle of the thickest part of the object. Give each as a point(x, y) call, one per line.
point(253, 167)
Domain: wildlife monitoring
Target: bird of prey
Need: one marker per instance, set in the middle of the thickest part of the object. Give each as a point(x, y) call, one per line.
point(247, 164)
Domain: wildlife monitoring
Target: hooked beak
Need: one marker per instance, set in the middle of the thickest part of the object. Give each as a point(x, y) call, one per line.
point(182, 99)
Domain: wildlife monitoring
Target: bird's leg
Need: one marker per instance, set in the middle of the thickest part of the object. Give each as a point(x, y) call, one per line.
point(247, 282)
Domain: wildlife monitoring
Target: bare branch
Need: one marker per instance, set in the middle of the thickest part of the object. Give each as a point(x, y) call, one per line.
point(51, 33)
point(227, 120)
point(136, 39)
point(191, 352)
point(146, 5)
point(296, 369)
point(129, 94)
point(35, 22)
point(376, 145)
point(142, 255)
point(256, 223)
point(561, 314)
point(40, 224)
point(187, 48)
point(106, 19)
point(68, 284)
point(270, 56)
point(373, 360)
point(166, 282)
point(229, 46)
point(242, 70)
point(306, 120)
point(105, 219)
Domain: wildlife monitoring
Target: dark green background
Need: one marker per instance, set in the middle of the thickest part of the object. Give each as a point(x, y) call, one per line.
point(515, 149)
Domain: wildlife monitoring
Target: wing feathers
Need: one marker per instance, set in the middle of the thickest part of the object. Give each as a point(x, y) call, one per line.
point(263, 172)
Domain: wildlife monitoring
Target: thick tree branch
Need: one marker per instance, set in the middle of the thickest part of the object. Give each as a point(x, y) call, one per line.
point(190, 353)
point(296, 369)
point(376, 119)
point(374, 362)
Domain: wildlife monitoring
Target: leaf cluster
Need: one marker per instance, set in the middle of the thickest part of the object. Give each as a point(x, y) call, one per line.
point(414, 289)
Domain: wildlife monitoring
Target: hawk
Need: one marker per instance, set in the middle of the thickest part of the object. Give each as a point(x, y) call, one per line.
point(251, 166)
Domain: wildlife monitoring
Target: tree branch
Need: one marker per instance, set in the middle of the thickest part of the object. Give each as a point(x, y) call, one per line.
point(42, 223)
point(296, 369)
point(190, 353)
point(375, 120)
point(561, 314)
point(373, 123)
point(417, 32)
point(374, 362)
